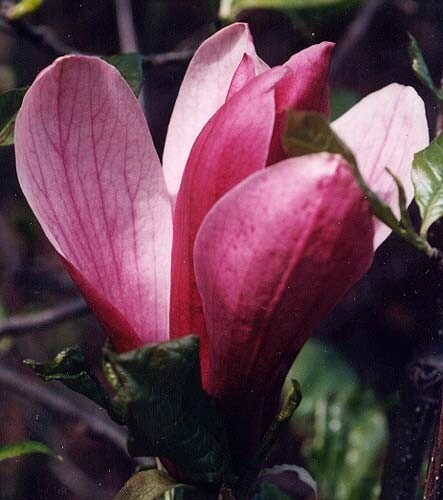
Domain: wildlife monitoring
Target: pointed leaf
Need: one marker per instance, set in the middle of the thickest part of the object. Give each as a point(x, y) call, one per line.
point(147, 485)
point(24, 448)
point(70, 368)
point(421, 68)
point(168, 413)
point(130, 67)
point(89, 170)
point(10, 103)
point(427, 175)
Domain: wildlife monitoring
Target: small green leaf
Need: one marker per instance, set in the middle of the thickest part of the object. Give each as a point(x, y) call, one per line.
point(427, 176)
point(168, 413)
point(10, 103)
point(130, 67)
point(421, 69)
point(24, 448)
point(147, 485)
point(70, 368)
point(270, 491)
point(22, 8)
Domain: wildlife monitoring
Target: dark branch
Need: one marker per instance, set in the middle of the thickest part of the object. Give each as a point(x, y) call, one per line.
point(24, 323)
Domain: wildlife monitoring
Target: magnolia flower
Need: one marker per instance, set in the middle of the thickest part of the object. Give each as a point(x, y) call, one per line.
point(230, 240)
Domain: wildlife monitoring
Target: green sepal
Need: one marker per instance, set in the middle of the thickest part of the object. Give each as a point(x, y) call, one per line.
point(427, 176)
point(421, 69)
point(309, 133)
point(71, 369)
point(15, 450)
point(130, 67)
point(167, 412)
point(147, 485)
point(10, 103)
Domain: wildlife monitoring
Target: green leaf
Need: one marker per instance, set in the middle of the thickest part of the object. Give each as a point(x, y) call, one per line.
point(270, 491)
point(421, 69)
point(168, 413)
point(22, 8)
point(24, 448)
point(130, 67)
point(427, 176)
point(10, 103)
point(147, 485)
point(70, 368)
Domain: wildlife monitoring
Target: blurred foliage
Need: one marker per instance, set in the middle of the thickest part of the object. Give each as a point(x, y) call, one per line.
point(24, 448)
point(130, 67)
point(147, 485)
point(24, 7)
point(343, 425)
point(341, 100)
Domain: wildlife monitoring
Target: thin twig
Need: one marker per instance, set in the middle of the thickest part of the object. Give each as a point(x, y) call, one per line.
point(25, 323)
point(125, 26)
point(47, 41)
point(354, 33)
point(434, 478)
point(60, 401)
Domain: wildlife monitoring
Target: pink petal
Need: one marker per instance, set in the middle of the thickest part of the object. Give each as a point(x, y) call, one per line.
point(89, 170)
point(233, 144)
point(304, 88)
point(385, 129)
point(272, 258)
point(203, 91)
point(243, 74)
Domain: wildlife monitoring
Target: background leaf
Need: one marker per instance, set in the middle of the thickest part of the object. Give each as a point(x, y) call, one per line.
point(130, 67)
point(10, 103)
point(427, 176)
point(22, 8)
point(421, 69)
point(24, 448)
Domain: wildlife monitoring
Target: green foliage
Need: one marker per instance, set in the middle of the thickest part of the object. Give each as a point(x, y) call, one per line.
point(269, 491)
point(168, 414)
point(24, 448)
point(70, 368)
point(345, 425)
point(10, 103)
point(309, 132)
point(427, 176)
point(130, 67)
point(421, 69)
point(342, 100)
point(22, 8)
point(147, 485)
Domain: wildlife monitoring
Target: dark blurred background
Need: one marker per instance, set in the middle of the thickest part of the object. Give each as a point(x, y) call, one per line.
point(385, 320)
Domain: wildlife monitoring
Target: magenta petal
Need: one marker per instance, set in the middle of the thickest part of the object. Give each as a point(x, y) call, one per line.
point(243, 74)
point(272, 258)
point(203, 91)
point(385, 129)
point(304, 88)
point(89, 170)
point(232, 145)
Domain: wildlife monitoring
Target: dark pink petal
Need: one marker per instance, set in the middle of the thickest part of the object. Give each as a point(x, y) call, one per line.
point(385, 129)
point(203, 91)
point(304, 88)
point(89, 170)
point(233, 144)
point(243, 74)
point(272, 258)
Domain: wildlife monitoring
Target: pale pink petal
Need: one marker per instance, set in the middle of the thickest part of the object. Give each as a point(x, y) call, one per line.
point(204, 89)
point(385, 129)
point(304, 88)
point(233, 144)
point(89, 170)
point(272, 258)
